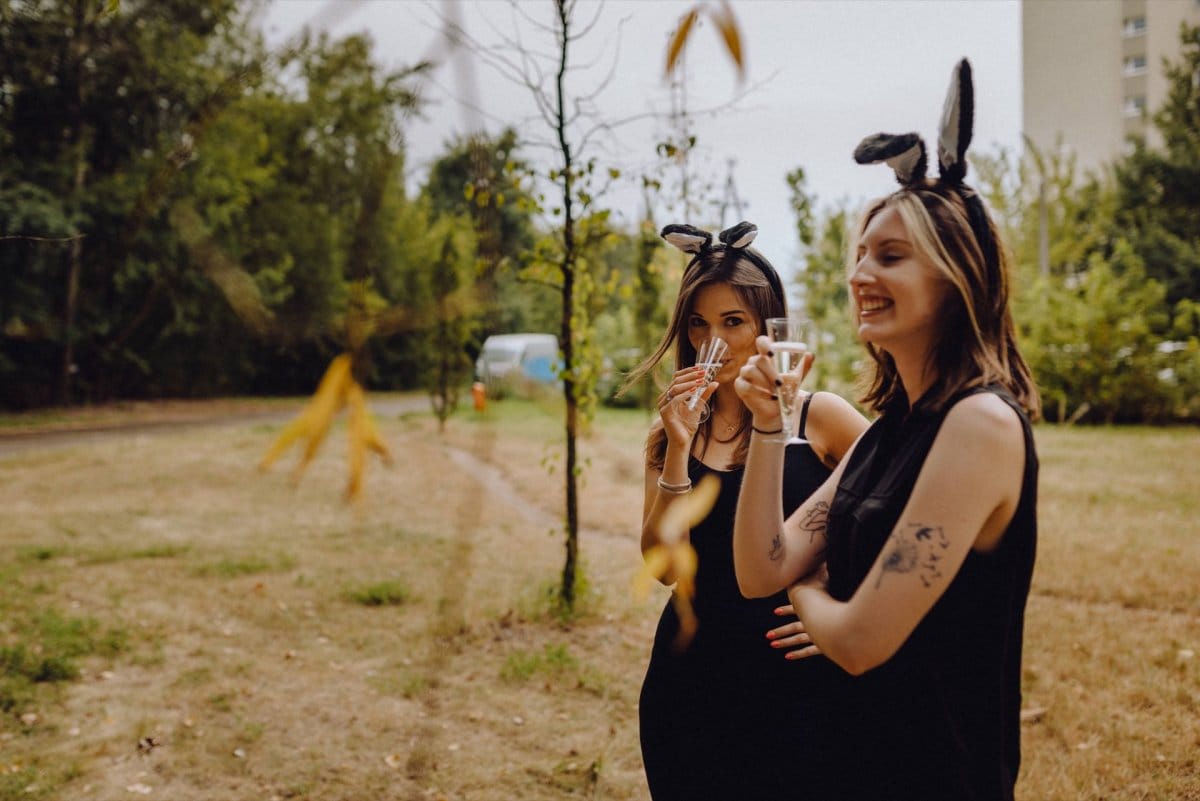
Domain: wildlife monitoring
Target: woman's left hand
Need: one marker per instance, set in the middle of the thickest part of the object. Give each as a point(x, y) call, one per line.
point(792, 635)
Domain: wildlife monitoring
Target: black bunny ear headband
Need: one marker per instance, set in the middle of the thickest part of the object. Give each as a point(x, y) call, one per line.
point(697, 241)
point(905, 154)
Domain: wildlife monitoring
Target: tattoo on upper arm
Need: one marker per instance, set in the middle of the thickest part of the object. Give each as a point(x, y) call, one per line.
point(919, 549)
point(815, 521)
point(775, 552)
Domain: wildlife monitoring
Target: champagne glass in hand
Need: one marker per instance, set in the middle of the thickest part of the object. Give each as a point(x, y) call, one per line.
point(789, 342)
point(709, 356)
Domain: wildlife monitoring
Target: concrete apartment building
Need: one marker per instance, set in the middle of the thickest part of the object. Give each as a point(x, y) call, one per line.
point(1092, 71)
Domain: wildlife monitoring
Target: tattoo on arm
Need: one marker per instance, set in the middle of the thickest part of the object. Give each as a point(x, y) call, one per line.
point(919, 549)
point(775, 552)
point(815, 520)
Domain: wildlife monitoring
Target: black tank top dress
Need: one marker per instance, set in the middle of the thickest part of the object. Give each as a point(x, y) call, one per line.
point(941, 718)
point(729, 717)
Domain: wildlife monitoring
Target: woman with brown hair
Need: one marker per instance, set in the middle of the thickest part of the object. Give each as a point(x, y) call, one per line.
point(721, 715)
point(909, 568)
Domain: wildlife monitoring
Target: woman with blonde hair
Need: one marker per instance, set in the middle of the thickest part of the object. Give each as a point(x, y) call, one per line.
point(910, 567)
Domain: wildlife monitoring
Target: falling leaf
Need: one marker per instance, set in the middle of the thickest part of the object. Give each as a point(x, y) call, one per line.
point(675, 557)
point(675, 48)
point(727, 24)
point(722, 16)
point(313, 423)
point(363, 437)
point(337, 389)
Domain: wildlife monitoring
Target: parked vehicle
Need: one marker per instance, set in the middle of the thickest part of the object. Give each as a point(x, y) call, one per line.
point(518, 363)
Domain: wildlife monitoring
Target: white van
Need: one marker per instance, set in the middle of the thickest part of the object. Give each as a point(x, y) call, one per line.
point(513, 362)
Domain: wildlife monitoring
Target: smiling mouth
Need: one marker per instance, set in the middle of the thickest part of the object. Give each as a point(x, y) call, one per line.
point(873, 304)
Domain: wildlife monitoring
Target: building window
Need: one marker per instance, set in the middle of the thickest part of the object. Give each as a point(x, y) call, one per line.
point(1134, 65)
point(1135, 106)
point(1134, 26)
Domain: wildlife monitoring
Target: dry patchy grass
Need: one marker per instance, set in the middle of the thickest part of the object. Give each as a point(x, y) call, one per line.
point(239, 638)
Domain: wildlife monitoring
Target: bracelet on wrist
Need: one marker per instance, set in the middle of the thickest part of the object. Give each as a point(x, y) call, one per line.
point(758, 430)
point(675, 489)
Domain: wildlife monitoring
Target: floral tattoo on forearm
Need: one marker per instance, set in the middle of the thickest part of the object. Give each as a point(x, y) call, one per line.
point(814, 522)
point(918, 548)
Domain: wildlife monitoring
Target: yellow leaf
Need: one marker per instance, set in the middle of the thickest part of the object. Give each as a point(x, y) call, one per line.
point(356, 430)
point(688, 510)
point(676, 558)
point(313, 422)
point(727, 24)
point(655, 564)
point(676, 45)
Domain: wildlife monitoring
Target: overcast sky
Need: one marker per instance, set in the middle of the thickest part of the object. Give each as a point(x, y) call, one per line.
point(821, 75)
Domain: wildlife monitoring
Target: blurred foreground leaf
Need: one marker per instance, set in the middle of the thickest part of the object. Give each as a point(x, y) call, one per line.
point(722, 16)
point(676, 557)
point(337, 389)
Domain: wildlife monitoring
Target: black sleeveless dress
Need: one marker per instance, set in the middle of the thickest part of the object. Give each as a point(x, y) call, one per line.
point(729, 717)
point(941, 718)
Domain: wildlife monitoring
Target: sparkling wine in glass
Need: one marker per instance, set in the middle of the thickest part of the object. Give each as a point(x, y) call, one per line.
point(709, 356)
point(789, 342)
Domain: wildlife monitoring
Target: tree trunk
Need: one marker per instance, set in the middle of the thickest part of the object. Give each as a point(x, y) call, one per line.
point(568, 303)
point(75, 264)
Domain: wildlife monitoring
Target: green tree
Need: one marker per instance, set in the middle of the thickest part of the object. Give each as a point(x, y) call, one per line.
point(99, 111)
point(451, 287)
point(1158, 189)
point(824, 238)
point(478, 178)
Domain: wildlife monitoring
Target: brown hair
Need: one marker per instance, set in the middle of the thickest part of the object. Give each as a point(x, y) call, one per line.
point(976, 343)
point(745, 270)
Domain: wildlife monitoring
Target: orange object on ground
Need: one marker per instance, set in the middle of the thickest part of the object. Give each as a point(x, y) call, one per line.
point(479, 396)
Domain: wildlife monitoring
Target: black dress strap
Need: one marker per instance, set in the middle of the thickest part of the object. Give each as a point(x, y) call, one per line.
point(804, 413)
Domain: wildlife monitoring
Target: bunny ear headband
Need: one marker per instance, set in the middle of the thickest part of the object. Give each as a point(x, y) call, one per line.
point(905, 154)
point(696, 241)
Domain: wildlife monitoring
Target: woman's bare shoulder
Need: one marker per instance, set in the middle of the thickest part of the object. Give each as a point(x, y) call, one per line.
point(833, 426)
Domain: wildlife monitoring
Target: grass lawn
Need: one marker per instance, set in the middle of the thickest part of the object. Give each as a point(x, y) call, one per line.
point(176, 625)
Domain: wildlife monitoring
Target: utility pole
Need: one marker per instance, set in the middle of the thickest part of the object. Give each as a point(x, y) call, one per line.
point(729, 197)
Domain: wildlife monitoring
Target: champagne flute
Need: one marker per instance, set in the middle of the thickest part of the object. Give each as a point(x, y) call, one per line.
point(789, 342)
point(709, 356)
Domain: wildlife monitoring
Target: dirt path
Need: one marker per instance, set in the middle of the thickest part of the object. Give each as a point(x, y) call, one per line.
point(115, 423)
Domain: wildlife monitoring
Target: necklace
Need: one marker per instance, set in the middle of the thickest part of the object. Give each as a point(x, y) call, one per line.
point(731, 430)
point(728, 425)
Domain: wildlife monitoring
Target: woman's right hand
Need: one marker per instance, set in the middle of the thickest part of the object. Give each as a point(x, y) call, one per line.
point(679, 422)
point(756, 385)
